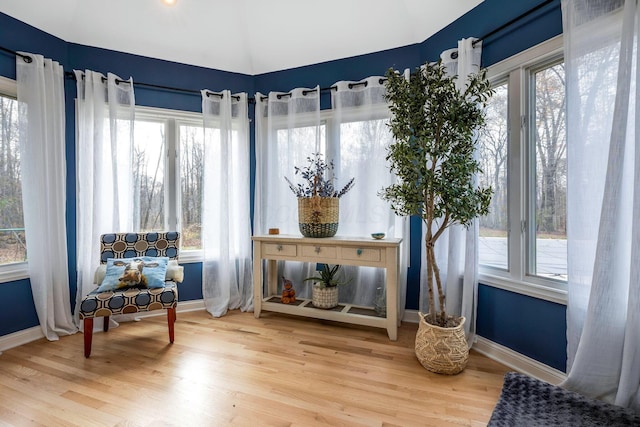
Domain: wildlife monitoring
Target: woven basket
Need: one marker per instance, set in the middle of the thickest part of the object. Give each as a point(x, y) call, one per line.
point(324, 297)
point(318, 216)
point(442, 350)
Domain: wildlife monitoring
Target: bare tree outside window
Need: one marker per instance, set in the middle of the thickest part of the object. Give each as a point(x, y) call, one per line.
point(191, 170)
point(551, 172)
point(12, 234)
point(493, 242)
point(148, 174)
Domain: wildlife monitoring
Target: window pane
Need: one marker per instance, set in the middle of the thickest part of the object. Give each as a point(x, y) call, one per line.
point(551, 174)
point(148, 174)
point(12, 236)
point(493, 244)
point(191, 156)
point(363, 150)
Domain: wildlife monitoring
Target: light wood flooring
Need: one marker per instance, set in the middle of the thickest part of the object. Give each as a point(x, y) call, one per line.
point(237, 370)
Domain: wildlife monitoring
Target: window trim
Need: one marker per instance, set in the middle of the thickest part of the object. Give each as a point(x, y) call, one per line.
point(16, 270)
point(515, 71)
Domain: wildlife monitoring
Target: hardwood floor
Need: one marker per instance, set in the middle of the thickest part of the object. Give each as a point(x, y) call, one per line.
point(237, 370)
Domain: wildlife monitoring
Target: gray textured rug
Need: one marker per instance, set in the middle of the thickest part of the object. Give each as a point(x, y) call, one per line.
point(525, 401)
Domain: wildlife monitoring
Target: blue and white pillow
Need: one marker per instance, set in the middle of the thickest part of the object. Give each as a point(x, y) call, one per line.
point(139, 273)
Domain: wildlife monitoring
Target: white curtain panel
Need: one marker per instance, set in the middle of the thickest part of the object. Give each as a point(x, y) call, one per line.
point(358, 144)
point(104, 151)
point(42, 155)
point(457, 248)
point(603, 136)
point(226, 227)
point(288, 131)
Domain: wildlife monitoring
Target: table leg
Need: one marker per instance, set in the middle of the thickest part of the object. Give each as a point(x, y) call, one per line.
point(257, 279)
point(392, 293)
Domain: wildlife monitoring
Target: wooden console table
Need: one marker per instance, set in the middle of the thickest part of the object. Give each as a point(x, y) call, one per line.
point(334, 250)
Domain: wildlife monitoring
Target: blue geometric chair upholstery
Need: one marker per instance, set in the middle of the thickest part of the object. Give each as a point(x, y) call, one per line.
point(105, 304)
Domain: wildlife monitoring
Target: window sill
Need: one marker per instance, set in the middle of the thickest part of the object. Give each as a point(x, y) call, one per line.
point(190, 257)
point(543, 292)
point(13, 272)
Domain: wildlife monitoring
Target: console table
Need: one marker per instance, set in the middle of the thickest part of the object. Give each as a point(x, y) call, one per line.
point(333, 250)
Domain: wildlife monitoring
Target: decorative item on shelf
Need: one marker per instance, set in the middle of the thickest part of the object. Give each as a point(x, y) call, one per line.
point(325, 287)
point(318, 200)
point(434, 126)
point(288, 293)
point(274, 231)
point(377, 236)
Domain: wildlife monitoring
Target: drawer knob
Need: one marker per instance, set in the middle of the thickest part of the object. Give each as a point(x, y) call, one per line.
point(317, 249)
point(279, 248)
point(359, 251)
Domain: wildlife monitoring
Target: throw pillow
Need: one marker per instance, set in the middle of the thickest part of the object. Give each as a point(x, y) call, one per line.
point(175, 272)
point(140, 272)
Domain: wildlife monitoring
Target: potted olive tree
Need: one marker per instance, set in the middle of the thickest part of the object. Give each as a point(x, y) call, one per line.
point(434, 127)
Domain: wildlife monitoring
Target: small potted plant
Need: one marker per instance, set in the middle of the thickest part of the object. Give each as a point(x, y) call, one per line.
point(325, 287)
point(318, 199)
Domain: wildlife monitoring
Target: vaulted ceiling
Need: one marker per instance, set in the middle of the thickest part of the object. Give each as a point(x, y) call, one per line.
point(245, 36)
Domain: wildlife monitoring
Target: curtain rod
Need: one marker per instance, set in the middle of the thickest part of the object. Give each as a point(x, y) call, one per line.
point(190, 91)
point(26, 58)
point(514, 20)
point(454, 55)
point(324, 89)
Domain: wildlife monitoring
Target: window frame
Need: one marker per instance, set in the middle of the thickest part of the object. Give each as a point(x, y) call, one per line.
point(516, 71)
point(172, 120)
point(16, 270)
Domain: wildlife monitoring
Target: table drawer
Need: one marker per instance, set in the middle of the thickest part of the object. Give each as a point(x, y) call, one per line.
point(364, 254)
point(279, 249)
point(319, 251)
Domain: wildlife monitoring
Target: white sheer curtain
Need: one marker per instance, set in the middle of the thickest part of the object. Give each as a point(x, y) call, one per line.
point(358, 145)
point(43, 167)
point(603, 140)
point(104, 153)
point(288, 130)
point(457, 248)
point(226, 228)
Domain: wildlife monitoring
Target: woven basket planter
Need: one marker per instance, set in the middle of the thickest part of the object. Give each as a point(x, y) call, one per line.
point(442, 350)
point(318, 216)
point(324, 297)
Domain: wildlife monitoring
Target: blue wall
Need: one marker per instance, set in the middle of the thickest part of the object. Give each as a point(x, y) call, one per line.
point(527, 325)
point(494, 304)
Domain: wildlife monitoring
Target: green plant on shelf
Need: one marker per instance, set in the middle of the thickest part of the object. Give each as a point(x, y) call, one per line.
point(327, 277)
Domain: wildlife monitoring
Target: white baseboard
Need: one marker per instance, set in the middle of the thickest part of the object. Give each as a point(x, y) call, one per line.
point(506, 356)
point(518, 362)
point(19, 338)
point(35, 333)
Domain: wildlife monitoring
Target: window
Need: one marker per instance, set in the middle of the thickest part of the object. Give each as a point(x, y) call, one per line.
point(148, 174)
point(191, 150)
point(522, 243)
point(168, 156)
point(13, 251)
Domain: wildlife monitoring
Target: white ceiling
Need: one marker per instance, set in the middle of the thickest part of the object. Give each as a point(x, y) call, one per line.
point(245, 36)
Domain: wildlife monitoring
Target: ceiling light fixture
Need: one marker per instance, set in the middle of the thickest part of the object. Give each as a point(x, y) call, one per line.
point(169, 2)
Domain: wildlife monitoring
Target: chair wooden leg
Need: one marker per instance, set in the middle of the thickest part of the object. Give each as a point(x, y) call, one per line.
point(171, 320)
point(88, 335)
point(105, 327)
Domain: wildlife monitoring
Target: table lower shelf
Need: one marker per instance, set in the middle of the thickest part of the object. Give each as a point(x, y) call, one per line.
point(347, 313)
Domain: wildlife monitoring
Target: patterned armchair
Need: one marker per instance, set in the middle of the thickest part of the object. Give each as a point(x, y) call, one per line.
point(132, 300)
